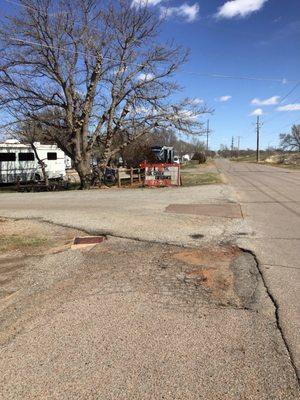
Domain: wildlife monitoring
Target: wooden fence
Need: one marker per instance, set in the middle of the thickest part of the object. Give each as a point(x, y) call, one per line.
point(131, 174)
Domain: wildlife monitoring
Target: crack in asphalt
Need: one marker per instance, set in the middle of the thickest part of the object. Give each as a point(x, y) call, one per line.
point(276, 306)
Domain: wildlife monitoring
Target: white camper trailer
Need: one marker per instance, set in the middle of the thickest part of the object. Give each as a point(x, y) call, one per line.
point(18, 162)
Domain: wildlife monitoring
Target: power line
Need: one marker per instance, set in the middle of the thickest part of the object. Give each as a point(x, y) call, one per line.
point(250, 78)
point(290, 92)
point(211, 75)
point(284, 126)
point(281, 101)
point(141, 65)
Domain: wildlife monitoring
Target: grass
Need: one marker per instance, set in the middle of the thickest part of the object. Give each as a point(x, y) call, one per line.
point(206, 178)
point(195, 164)
point(191, 164)
point(14, 242)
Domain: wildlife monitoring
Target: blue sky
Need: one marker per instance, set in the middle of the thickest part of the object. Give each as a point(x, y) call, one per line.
point(257, 39)
point(261, 44)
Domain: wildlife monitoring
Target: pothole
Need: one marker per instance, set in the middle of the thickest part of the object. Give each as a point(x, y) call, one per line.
point(227, 274)
point(197, 236)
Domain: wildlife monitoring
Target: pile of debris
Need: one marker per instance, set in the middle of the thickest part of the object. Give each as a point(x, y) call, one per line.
point(287, 159)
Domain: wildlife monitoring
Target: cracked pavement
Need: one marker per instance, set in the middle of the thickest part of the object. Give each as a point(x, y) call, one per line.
point(180, 312)
point(270, 200)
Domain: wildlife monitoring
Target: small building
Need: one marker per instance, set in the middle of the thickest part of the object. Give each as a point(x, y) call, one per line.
point(186, 158)
point(18, 162)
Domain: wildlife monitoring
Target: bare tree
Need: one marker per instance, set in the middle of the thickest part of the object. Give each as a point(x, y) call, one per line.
point(97, 69)
point(291, 141)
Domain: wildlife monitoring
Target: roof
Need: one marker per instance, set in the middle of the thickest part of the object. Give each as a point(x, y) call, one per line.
point(15, 144)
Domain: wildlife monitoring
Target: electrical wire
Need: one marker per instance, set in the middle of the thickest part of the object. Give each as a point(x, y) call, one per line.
point(281, 101)
point(209, 74)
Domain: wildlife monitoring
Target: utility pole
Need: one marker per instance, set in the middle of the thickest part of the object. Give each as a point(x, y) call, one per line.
point(257, 139)
point(207, 133)
point(232, 146)
point(238, 150)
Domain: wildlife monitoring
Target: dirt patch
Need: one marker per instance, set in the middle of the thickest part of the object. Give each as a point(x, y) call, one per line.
point(32, 237)
point(218, 271)
point(206, 255)
point(22, 242)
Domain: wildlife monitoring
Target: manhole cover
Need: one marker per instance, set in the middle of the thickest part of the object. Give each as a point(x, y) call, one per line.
point(227, 210)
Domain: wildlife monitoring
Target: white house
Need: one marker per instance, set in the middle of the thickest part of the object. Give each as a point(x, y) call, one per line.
point(18, 161)
point(186, 158)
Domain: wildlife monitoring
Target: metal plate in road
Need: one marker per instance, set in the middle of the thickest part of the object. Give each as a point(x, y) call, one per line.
point(227, 210)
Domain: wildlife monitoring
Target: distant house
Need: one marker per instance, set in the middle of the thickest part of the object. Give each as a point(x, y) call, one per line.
point(18, 162)
point(186, 158)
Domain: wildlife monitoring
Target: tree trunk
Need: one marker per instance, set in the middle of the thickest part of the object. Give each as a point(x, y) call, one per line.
point(41, 164)
point(84, 171)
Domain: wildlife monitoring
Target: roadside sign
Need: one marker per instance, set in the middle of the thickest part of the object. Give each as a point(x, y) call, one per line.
point(161, 174)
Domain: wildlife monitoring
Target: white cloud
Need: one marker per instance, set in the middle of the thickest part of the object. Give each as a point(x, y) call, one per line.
point(239, 8)
point(223, 99)
point(144, 3)
point(189, 13)
point(257, 111)
point(145, 77)
point(271, 101)
point(289, 107)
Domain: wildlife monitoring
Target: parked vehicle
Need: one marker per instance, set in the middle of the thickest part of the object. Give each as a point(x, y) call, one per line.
point(108, 177)
point(176, 160)
point(163, 154)
point(19, 163)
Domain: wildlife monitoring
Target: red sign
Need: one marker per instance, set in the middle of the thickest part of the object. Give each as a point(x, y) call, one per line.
point(161, 174)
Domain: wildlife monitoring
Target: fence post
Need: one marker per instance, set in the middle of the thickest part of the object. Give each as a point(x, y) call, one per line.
point(139, 175)
point(119, 178)
point(131, 176)
point(18, 183)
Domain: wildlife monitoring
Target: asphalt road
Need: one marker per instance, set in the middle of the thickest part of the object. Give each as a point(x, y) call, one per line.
point(141, 331)
point(270, 201)
point(130, 213)
point(136, 320)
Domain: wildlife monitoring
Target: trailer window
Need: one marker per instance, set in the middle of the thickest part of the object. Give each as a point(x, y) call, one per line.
point(7, 157)
point(26, 156)
point(52, 156)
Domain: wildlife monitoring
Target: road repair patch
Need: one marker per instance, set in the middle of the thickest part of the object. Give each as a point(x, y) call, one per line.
point(227, 210)
point(229, 275)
